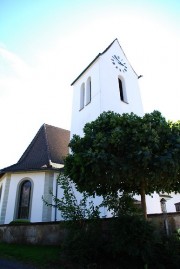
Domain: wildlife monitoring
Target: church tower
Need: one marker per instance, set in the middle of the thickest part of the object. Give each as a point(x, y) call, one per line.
point(108, 83)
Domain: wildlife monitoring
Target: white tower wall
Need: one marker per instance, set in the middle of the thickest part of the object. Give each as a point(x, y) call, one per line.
point(105, 92)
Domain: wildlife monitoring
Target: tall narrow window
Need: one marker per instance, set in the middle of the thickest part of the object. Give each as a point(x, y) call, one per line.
point(88, 91)
point(0, 192)
point(121, 90)
point(24, 200)
point(177, 205)
point(82, 96)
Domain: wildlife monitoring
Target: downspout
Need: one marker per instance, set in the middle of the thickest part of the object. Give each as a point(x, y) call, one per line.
point(56, 194)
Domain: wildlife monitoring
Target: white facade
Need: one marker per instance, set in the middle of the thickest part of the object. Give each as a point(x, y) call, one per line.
point(105, 92)
point(153, 202)
point(108, 84)
point(41, 184)
point(104, 73)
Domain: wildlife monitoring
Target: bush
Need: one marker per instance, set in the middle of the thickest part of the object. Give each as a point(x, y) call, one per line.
point(84, 244)
point(19, 221)
point(126, 242)
point(132, 238)
point(167, 253)
point(122, 242)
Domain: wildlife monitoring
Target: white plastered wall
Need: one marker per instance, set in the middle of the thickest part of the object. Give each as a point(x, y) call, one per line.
point(90, 111)
point(2, 184)
point(110, 97)
point(37, 180)
point(105, 90)
point(105, 97)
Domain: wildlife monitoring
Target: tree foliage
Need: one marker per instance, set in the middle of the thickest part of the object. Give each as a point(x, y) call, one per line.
point(128, 153)
point(126, 241)
point(72, 208)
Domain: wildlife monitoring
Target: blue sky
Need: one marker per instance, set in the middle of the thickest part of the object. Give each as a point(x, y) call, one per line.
point(45, 44)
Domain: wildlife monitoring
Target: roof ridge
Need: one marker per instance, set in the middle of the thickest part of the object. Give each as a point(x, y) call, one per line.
point(56, 127)
point(30, 145)
point(109, 46)
point(46, 151)
point(101, 53)
point(127, 58)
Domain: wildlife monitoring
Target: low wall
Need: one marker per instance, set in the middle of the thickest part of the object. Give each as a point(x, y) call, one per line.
point(173, 220)
point(53, 233)
point(35, 233)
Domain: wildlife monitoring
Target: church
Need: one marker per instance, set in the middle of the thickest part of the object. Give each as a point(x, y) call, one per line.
point(108, 83)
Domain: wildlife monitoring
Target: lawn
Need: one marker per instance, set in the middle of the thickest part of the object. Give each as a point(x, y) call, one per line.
point(46, 257)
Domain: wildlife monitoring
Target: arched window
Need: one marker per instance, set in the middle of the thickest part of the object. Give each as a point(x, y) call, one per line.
point(24, 200)
point(88, 91)
point(122, 90)
point(82, 95)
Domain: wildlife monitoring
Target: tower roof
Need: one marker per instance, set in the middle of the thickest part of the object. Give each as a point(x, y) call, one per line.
point(46, 151)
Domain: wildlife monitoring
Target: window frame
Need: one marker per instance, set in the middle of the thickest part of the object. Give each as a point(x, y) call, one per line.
point(82, 96)
point(1, 189)
point(18, 197)
point(122, 90)
point(88, 91)
point(177, 206)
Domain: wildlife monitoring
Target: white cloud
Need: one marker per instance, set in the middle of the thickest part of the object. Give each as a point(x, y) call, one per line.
point(19, 67)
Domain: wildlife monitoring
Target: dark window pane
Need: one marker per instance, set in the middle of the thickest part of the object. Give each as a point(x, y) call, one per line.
point(0, 192)
point(24, 200)
point(121, 90)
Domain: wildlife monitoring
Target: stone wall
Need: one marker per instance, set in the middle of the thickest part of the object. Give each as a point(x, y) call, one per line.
point(173, 220)
point(36, 233)
point(53, 233)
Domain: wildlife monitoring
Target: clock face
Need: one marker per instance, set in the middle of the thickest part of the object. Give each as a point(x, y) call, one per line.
point(119, 63)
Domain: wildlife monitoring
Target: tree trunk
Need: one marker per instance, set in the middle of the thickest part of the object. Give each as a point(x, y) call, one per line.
point(143, 200)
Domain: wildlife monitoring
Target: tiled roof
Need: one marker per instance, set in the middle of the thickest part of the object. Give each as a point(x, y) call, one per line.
point(47, 150)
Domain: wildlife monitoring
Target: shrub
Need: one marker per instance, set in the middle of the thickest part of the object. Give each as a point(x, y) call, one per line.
point(19, 221)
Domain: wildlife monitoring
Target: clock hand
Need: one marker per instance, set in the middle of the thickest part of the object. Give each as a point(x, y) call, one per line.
point(116, 57)
point(118, 60)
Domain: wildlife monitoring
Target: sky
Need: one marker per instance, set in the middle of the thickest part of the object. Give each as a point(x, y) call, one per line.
point(46, 44)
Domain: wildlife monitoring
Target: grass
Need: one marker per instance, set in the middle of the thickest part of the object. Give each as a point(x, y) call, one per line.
point(39, 256)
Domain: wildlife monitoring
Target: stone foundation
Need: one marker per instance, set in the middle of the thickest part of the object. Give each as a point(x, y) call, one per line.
point(53, 233)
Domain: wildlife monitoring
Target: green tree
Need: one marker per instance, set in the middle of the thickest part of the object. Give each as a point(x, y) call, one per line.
point(72, 208)
point(138, 155)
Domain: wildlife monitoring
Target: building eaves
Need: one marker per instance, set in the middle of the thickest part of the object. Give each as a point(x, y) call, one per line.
point(98, 57)
point(92, 62)
point(128, 61)
point(47, 145)
point(45, 152)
